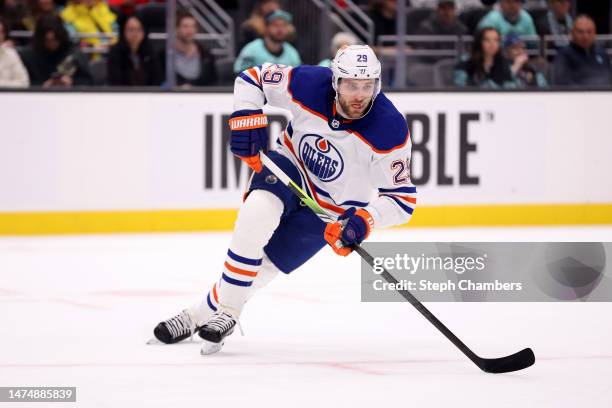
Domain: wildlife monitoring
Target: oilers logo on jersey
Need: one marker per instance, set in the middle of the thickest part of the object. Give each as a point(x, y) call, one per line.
point(321, 157)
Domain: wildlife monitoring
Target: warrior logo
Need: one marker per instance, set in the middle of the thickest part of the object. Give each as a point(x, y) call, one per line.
point(321, 157)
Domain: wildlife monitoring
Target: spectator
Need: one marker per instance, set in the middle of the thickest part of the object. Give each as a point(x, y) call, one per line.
point(510, 18)
point(444, 21)
point(193, 64)
point(486, 67)
point(132, 61)
point(12, 12)
point(525, 72)
point(556, 21)
point(255, 26)
point(582, 62)
point(384, 15)
point(89, 17)
point(51, 59)
point(38, 8)
point(12, 72)
point(272, 48)
point(338, 41)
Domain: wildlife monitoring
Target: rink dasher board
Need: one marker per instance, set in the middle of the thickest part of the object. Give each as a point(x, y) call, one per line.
point(124, 162)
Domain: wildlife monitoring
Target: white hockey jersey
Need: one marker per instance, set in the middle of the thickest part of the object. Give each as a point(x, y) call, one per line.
point(363, 163)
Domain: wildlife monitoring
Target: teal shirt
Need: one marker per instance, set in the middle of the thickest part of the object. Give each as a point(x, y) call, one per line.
point(256, 53)
point(325, 63)
point(495, 19)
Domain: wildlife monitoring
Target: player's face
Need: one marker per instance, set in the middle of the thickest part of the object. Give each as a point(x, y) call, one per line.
point(354, 95)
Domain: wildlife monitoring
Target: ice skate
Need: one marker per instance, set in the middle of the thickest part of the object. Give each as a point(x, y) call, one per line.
point(220, 325)
point(175, 329)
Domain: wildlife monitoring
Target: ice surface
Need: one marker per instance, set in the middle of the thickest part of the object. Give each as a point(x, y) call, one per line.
point(77, 311)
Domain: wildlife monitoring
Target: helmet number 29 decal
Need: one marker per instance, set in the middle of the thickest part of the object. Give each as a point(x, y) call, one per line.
point(362, 58)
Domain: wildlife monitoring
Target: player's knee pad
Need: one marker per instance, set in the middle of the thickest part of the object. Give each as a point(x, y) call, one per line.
point(258, 217)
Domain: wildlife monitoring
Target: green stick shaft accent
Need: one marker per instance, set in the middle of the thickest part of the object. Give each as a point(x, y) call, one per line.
point(312, 204)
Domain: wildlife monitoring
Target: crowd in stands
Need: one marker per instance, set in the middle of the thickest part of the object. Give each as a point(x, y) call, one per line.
point(106, 42)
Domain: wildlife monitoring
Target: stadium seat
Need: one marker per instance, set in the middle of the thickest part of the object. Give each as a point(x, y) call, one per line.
point(420, 74)
point(537, 12)
point(99, 71)
point(153, 16)
point(443, 73)
point(414, 18)
point(471, 17)
point(225, 71)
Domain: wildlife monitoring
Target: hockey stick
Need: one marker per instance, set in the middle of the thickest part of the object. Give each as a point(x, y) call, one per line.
point(514, 362)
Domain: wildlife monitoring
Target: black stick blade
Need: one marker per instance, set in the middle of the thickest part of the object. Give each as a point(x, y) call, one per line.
point(517, 361)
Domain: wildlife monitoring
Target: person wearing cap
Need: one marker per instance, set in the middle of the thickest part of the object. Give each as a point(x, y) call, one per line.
point(444, 21)
point(255, 26)
point(273, 47)
point(511, 17)
point(339, 40)
point(525, 73)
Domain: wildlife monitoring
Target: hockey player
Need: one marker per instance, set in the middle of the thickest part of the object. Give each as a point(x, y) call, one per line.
point(346, 145)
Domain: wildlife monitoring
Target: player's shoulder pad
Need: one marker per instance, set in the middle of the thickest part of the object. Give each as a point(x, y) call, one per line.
point(310, 86)
point(384, 128)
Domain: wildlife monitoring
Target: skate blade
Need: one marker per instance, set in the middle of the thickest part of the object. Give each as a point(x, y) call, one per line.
point(154, 341)
point(209, 348)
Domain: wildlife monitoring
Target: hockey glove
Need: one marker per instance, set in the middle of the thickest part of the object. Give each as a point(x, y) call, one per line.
point(352, 227)
point(249, 135)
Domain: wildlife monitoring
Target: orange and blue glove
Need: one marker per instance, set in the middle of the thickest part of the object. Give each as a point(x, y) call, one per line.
point(249, 136)
point(352, 227)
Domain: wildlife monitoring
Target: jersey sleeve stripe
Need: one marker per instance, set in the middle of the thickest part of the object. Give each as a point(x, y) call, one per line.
point(409, 190)
point(404, 207)
point(350, 202)
point(411, 200)
point(253, 72)
point(248, 79)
